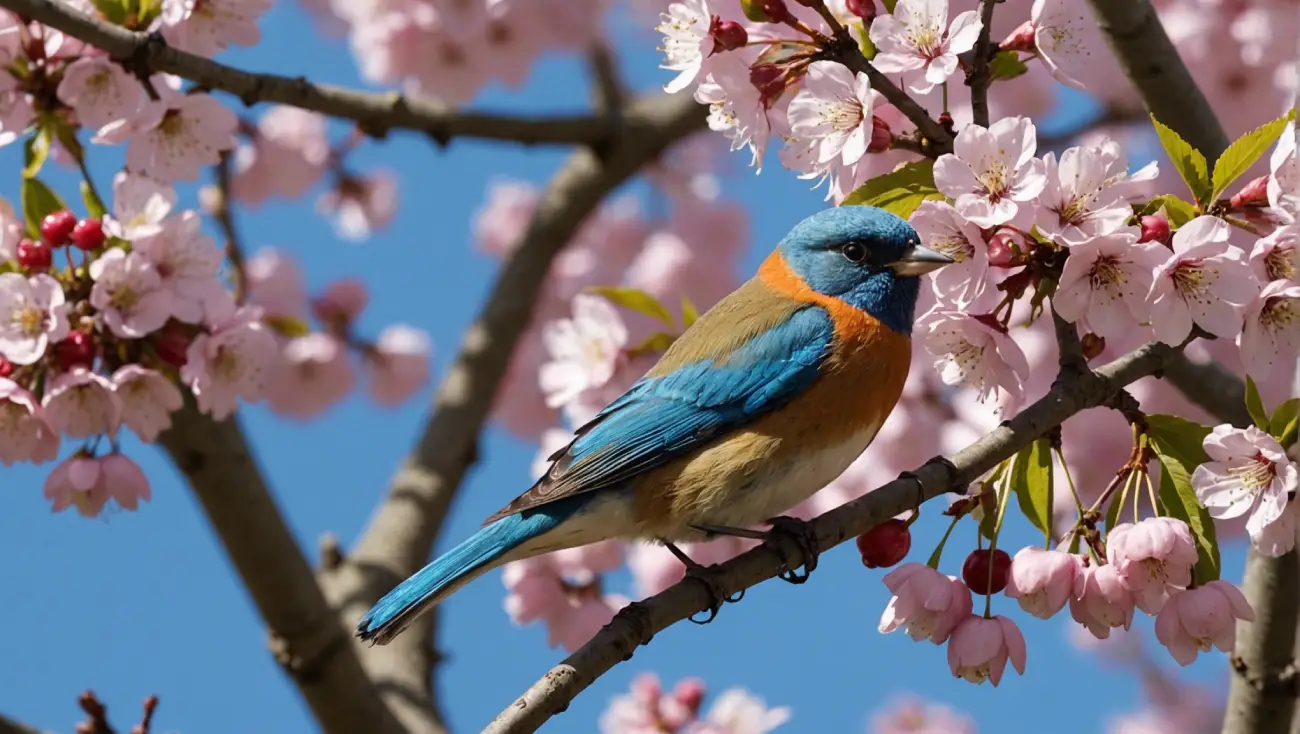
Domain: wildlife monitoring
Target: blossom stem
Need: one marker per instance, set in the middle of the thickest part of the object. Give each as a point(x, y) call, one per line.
point(832, 22)
point(226, 221)
point(1069, 481)
point(91, 191)
point(938, 550)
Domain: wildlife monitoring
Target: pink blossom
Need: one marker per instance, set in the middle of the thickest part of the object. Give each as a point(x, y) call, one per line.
point(943, 229)
point(648, 709)
point(173, 138)
point(361, 205)
point(502, 219)
point(129, 293)
point(1100, 601)
point(572, 615)
point(917, 41)
point(833, 107)
point(24, 435)
point(654, 568)
point(1284, 184)
point(585, 350)
point(205, 27)
point(16, 112)
point(913, 716)
point(737, 711)
point(289, 154)
point(1105, 283)
point(1271, 332)
point(1197, 619)
point(1152, 559)
point(928, 604)
point(100, 91)
point(736, 107)
point(11, 231)
point(274, 281)
point(1277, 256)
point(234, 360)
point(1043, 580)
point(81, 404)
point(1088, 193)
point(341, 302)
point(398, 366)
point(1205, 282)
point(1248, 474)
point(991, 171)
point(1280, 536)
point(1069, 41)
point(33, 314)
point(88, 483)
point(140, 204)
point(187, 262)
point(972, 353)
point(687, 41)
point(148, 398)
point(314, 373)
point(981, 646)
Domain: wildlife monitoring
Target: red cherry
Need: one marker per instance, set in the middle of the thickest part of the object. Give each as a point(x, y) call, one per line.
point(35, 255)
point(865, 9)
point(56, 228)
point(88, 234)
point(6, 367)
point(882, 138)
point(78, 350)
point(975, 571)
point(1156, 229)
point(172, 346)
point(885, 545)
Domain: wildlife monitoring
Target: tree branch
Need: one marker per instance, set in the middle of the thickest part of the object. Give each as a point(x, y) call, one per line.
point(305, 634)
point(1265, 681)
point(13, 726)
point(637, 623)
point(845, 50)
point(979, 78)
point(375, 113)
point(1218, 391)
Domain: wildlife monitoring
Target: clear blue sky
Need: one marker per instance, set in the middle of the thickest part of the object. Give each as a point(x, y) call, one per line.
point(134, 604)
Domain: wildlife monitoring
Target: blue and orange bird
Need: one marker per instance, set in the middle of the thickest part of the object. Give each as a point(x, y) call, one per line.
point(763, 401)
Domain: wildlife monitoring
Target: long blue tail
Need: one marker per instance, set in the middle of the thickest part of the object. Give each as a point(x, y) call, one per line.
point(452, 570)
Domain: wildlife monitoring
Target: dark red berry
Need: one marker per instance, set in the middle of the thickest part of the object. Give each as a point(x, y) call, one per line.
point(56, 228)
point(6, 367)
point(78, 350)
point(88, 234)
point(728, 35)
point(777, 11)
point(882, 138)
point(35, 255)
point(885, 545)
point(986, 573)
point(1155, 228)
point(1005, 251)
point(865, 9)
point(171, 344)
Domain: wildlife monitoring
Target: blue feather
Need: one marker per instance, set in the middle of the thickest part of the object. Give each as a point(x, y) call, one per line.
point(474, 556)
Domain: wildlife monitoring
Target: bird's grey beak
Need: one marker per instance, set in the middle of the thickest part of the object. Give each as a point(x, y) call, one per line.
point(919, 260)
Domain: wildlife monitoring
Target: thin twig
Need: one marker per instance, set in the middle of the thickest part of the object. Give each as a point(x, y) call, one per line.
point(225, 216)
point(845, 50)
point(979, 79)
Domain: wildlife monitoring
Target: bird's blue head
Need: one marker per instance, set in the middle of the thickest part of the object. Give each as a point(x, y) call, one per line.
point(865, 256)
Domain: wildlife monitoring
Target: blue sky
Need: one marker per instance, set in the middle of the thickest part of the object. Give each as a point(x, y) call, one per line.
point(146, 603)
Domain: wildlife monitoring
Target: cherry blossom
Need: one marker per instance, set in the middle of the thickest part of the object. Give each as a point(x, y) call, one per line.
point(916, 41)
point(81, 404)
point(188, 263)
point(88, 483)
point(24, 434)
point(129, 294)
point(232, 361)
point(361, 205)
point(273, 281)
point(991, 171)
point(1105, 283)
point(585, 350)
point(16, 112)
point(33, 314)
point(1198, 619)
point(926, 603)
point(289, 154)
point(341, 302)
point(398, 367)
point(971, 352)
point(834, 108)
point(1043, 580)
point(687, 41)
point(572, 614)
point(140, 204)
point(736, 107)
point(205, 27)
point(1100, 601)
point(980, 648)
point(913, 716)
point(314, 373)
point(1270, 333)
point(648, 709)
point(100, 91)
point(1284, 183)
point(1280, 536)
point(175, 137)
point(1152, 559)
point(739, 712)
point(1277, 256)
point(1248, 474)
point(1087, 193)
point(1205, 282)
point(1069, 42)
point(148, 398)
point(944, 230)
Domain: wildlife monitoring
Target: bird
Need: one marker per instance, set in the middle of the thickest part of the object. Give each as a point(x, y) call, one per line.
point(760, 403)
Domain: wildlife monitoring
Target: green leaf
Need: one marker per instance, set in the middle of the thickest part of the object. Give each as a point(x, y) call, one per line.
point(1189, 161)
point(1255, 405)
point(1006, 65)
point(1178, 212)
point(1244, 151)
point(634, 299)
point(288, 326)
point(656, 342)
point(889, 5)
point(690, 314)
point(753, 10)
point(145, 12)
point(1285, 422)
point(36, 149)
point(990, 512)
point(1177, 444)
point(865, 45)
point(900, 191)
point(113, 11)
point(1031, 480)
point(94, 206)
point(38, 201)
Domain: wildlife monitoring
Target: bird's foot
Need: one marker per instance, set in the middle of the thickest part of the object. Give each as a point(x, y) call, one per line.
point(797, 530)
point(706, 575)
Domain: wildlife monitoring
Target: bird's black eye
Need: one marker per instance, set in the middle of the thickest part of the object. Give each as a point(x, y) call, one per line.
point(855, 252)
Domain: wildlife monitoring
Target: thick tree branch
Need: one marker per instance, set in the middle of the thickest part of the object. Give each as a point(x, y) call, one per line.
point(305, 634)
point(375, 113)
point(13, 726)
point(1265, 679)
point(1219, 392)
point(637, 624)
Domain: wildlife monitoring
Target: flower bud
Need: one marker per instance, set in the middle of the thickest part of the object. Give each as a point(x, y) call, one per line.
point(1155, 228)
point(864, 9)
point(1254, 193)
point(1021, 39)
point(1093, 346)
point(728, 35)
point(882, 138)
point(1005, 250)
point(777, 12)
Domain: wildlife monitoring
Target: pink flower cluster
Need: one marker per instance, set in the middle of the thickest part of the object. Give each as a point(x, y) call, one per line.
point(648, 709)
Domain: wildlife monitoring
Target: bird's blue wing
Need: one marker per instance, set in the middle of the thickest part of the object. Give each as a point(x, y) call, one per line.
point(668, 414)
